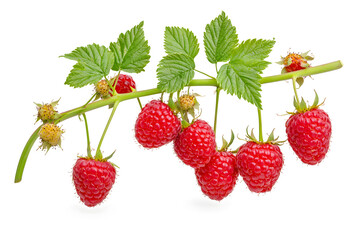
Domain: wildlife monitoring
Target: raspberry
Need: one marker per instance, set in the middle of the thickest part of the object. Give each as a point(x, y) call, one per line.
point(102, 88)
point(259, 164)
point(309, 135)
point(195, 145)
point(93, 180)
point(156, 125)
point(124, 84)
point(50, 135)
point(218, 178)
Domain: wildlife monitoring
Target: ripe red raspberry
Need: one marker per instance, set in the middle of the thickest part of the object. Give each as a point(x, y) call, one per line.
point(309, 135)
point(195, 145)
point(218, 178)
point(93, 180)
point(156, 125)
point(124, 84)
point(259, 165)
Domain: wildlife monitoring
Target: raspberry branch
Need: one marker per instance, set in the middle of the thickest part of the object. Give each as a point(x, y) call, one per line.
point(138, 94)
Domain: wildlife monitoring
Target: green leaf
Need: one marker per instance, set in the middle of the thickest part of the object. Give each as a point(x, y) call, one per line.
point(242, 74)
point(241, 81)
point(94, 63)
point(174, 72)
point(181, 40)
point(220, 39)
point(131, 51)
point(252, 53)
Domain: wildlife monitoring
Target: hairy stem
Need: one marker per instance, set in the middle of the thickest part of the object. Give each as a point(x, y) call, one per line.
point(123, 97)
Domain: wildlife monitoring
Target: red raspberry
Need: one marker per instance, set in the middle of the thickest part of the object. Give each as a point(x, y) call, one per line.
point(156, 125)
point(309, 135)
point(93, 180)
point(218, 178)
point(124, 84)
point(259, 165)
point(195, 145)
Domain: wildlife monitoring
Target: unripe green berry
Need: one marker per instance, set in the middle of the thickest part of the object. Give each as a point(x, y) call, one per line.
point(102, 88)
point(187, 102)
point(50, 135)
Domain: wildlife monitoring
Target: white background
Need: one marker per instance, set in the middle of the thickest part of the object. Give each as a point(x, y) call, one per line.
point(155, 195)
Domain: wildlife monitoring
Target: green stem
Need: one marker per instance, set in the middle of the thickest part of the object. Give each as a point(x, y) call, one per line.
point(123, 97)
point(260, 126)
point(302, 73)
point(295, 91)
point(88, 148)
point(204, 74)
point(216, 108)
point(92, 97)
point(98, 154)
point(25, 154)
point(138, 99)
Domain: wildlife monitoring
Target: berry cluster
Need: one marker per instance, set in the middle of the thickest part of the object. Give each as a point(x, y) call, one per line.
point(177, 120)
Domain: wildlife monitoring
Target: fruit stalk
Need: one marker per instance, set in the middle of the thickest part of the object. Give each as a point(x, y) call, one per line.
point(216, 108)
point(88, 148)
point(98, 154)
point(260, 125)
point(137, 94)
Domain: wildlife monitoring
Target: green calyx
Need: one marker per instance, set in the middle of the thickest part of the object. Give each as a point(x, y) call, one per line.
point(302, 107)
point(271, 139)
point(227, 144)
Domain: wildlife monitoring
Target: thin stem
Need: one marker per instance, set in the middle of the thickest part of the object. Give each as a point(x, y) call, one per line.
point(216, 108)
point(98, 154)
point(204, 74)
point(260, 126)
point(88, 148)
point(295, 91)
point(138, 99)
point(216, 68)
point(92, 97)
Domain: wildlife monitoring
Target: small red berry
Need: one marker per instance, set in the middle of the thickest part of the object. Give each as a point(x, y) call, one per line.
point(124, 84)
point(309, 135)
point(156, 125)
point(259, 164)
point(93, 180)
point(218, 178)
point(195, 145)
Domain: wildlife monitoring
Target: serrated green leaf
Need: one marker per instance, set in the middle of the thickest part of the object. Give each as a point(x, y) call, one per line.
point(241, 81)
point(220, 39)
point(252, 53)
point(131, 50)
point(242, 74)
point(82, 75)
point(94, 62)
point(181, 40)
point(174, 72)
